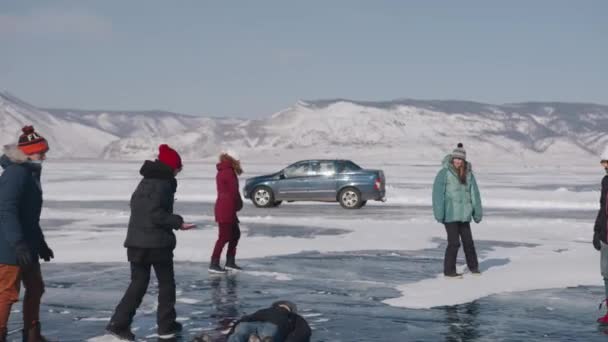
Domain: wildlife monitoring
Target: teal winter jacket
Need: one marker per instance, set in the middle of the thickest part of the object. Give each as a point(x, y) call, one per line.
point(454, 201)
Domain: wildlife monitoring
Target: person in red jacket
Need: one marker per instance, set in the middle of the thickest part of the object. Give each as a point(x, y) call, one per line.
point(227, 204)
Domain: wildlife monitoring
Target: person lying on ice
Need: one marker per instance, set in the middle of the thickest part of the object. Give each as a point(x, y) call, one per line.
point(278, 323)
point(150, 242)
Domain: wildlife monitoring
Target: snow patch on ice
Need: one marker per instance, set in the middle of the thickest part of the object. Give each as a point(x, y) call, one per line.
point(187, 300)
point(275, 275)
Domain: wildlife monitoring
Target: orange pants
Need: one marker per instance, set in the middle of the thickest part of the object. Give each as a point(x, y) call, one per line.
point(10, 281)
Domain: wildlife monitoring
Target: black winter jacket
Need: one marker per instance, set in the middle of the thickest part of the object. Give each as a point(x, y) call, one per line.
point(602, 216)
point(152, 220)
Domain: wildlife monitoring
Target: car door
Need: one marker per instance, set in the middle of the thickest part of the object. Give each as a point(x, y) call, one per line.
point(323, 182)
point(293, 184)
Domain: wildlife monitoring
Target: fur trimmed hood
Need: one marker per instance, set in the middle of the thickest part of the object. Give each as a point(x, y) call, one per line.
point(447, 163)
point(14, 154)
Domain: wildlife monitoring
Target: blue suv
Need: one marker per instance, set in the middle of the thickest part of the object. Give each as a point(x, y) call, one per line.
point(318, 180)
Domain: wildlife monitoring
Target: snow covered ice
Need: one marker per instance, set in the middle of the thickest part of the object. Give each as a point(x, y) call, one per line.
point(373, 274)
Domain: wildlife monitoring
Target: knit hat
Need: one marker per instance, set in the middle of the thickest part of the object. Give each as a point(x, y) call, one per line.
point(293, 308)
point(31, 142)
point(170, 157)
point(230, 152)
point(459, 152)
point(605, 154)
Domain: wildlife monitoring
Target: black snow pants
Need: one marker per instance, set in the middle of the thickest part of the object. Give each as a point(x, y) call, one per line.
point(140, 278)
point(457, 231)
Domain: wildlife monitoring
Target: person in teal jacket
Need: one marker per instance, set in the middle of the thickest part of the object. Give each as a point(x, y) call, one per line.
point(456, 202)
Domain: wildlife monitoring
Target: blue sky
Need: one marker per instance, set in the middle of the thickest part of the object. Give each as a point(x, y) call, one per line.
point(252, 58)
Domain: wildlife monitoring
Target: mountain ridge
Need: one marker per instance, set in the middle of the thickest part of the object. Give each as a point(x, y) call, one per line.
point(526, 130)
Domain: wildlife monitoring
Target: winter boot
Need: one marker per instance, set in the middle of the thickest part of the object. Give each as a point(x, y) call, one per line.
point(122, 333)
point(33, 334)
point(231, 264)
point(3, 333)
point(214, 267)
point(174, 330)
point(476, 272)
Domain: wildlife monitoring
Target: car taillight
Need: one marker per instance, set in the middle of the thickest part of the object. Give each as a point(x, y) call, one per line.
point(378, 184)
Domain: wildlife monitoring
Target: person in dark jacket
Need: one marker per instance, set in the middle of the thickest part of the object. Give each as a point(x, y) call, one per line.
point(21, 238)
point(280, 322)
point(600, 233)
point(456, 202)
point(150, 243)
point(228, 203)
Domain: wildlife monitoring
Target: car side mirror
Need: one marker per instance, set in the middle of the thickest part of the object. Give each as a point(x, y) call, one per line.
point(282, 175)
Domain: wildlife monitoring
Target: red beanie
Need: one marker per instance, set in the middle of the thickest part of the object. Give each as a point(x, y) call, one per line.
point(169, 156)
point(31, 142)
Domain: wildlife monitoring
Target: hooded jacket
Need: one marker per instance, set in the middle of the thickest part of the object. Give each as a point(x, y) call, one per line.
point(454, 201)
point(20, 205)
point(228, 201)
point(152, 220)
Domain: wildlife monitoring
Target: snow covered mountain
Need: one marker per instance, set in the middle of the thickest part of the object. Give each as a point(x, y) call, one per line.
point(67, 138)
point(131, 124)
point(416, 128)
point(87, 134)
point(343, 128)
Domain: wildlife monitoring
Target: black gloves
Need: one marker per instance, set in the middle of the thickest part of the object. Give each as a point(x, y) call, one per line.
point(45, 252)
point(22, 252)
point(596, 241)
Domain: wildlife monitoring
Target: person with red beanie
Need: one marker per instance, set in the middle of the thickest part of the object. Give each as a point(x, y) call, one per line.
point(22, 242)
point(150, 243)
point(227, 204)
point(170, 157)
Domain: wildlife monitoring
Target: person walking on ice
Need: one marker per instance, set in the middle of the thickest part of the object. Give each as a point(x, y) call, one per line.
point(21, 238)
point(600, 233)
point(150, 243)
point(227, 204)
point(456, 201)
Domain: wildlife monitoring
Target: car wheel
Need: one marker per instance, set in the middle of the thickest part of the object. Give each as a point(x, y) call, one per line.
point(262, 197)
point(350, 198)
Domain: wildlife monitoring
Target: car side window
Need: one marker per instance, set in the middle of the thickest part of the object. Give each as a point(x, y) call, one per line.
point(297, 170)
point(327, 168)
point(315, 168)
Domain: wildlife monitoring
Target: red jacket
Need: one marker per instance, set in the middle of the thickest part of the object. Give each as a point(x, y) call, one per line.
point(228, 200)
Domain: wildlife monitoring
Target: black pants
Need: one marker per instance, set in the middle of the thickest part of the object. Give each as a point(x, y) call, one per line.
point(457, 231)
point(140, 277)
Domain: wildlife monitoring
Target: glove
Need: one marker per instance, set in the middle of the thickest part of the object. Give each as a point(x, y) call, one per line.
point(45, 252)
point(22, 252)
point(596, 241)
point(187, 226)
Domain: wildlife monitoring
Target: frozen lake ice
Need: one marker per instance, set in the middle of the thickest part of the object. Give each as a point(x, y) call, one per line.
point(368, 275)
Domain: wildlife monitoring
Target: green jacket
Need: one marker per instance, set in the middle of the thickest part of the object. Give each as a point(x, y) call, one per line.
point(454, 201)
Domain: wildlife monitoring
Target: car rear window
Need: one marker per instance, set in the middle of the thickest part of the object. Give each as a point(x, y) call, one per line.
point(347, 165)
